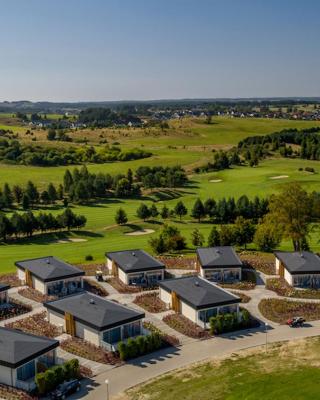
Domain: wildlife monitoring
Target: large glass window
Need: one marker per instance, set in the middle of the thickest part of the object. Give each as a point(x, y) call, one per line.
point(231, 275)
point(131, 330)
point(26, 371)
point(228, 309)
point(47, 359)
point(205, 315)
point(136, 279)
point(112, 335)
point(214, 275)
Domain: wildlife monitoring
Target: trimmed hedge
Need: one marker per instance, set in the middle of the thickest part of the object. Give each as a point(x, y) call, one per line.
point(135, 347)
point(52, 377)
point(229, 322)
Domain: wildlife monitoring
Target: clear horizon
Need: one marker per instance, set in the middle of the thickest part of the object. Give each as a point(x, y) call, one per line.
point(81, 51)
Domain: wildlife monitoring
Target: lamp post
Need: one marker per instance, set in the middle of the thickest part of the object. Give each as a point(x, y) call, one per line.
point(266, 328)
point(107, 383)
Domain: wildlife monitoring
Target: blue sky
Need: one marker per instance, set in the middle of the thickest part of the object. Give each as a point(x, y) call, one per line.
point(70, 50)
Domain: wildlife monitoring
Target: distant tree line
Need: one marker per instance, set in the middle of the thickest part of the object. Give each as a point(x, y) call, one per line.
point(100, 117)
point(25, 224)
point(14, 152)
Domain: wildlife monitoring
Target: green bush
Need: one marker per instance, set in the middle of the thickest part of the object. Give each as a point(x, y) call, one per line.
point(59, 372)
point(229, 322)
point(41, 383)
point(132, 348)
point(50, 379)
point(123, 351)
point(141, 342)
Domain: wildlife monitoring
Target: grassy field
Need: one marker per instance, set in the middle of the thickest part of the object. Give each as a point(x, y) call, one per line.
point(289, 371)
point(99, 237)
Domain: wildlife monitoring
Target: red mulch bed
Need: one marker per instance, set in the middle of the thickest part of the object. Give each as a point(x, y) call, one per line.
point(94, 287)
point(280, 310)
point(248, 282)
point(10, 279)
point(282, 288)
point(90, 269)
point(35, 295)
point(10, 393)
point(183, 325)
point(170, 340)
point(121, 287)
point(17, 308)
point(150, 302)
point(178, 262)
point(82, 348)
point(36, 325)
point(260, 261)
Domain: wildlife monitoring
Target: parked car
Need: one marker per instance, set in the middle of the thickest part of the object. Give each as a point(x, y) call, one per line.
point(65, 389)
point(296, 322)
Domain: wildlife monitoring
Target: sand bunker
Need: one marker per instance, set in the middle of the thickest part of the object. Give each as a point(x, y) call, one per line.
point(215, 180)
point(279, 177)
point(141, 232)
point(75, 240)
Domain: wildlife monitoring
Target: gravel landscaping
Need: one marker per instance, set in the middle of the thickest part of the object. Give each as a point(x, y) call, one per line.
point(185, 326)
point(15, 308)
point(244, 298)
point(260, 261)
point(82, 348)
point(35, 295)
point(121, 287)
point(94, 287)
point(282, 288)
point(36, 324)
point(280, 310)
point(178, 262)
point(90, 269)
point(150, 302)
point(10, 279)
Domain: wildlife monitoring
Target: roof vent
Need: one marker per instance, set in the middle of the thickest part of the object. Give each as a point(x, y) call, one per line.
point(196, 283)
point(218, 251)
point(92, 301)
point(133, 253)
point(48, 260)
point(301, 255)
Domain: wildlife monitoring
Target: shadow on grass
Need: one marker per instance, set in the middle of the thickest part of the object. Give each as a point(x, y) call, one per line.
point(50, 238)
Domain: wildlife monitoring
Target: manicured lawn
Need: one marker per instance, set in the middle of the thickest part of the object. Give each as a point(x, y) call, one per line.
point(184, 143)
point(286, 372)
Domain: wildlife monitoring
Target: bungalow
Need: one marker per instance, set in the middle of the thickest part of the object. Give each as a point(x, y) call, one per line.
point(219, 264)
point(299, 269)
point(50, 276)
point(21, 354)
point(101, 322)
point(197, 299)
point(135, 267)
point(4, 294)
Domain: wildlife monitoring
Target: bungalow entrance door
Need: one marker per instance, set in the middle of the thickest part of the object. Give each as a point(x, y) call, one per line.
point(115, 271)
point(70, 324)
point(281, 270)
point(28, 278)
point(175, 301)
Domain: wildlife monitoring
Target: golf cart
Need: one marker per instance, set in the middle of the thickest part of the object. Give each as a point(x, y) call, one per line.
point(99, 276)
point(296, 322)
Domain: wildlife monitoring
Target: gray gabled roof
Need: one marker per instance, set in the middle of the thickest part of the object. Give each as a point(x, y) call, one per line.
point(198, 292)
point(49, 268)
point(17, 347)
point(134, 260)
point(94, 311)
point(299, 262)
point(4, 287)
point(220, 256)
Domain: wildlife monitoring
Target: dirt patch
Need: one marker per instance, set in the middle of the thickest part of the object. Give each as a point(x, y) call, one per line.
point(215, 180)
point(75, 240)
point(279, 177)
point(141, 232)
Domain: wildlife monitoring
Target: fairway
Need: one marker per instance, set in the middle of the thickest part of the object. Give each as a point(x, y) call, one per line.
point(288, 372)
point(180, 145)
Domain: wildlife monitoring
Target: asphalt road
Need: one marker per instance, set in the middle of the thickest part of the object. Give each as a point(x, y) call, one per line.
point(148, 367)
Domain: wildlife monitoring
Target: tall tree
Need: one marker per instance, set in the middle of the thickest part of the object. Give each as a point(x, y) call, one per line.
point(180, 209)
point(197, 238)
point(214, 237)
point(291, 210)
point(198, 210)
point(121, 217)
point(143, 212)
